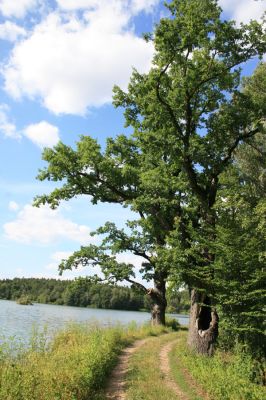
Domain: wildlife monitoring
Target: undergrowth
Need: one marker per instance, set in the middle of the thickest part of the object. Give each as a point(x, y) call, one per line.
point(73, 366)
point(225, 376)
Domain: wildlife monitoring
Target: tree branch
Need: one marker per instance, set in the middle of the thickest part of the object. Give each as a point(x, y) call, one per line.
point(192, 176)
point(137, 284)
point(118, 192)
point(165, 104)
point(234, 146)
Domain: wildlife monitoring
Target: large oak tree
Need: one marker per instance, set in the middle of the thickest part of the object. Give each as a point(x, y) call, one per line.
point(188, 115)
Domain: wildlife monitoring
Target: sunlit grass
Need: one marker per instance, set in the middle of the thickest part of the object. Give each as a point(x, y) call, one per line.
point(73, 366)
point(224, 376)
point(145, 380)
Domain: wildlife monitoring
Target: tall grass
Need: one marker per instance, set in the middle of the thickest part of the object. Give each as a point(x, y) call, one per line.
point(226, 376)
point(73, 366)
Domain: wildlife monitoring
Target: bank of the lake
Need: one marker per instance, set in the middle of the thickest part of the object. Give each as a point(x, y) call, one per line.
point(78, 362)
point(74, 365)
point(19, 320)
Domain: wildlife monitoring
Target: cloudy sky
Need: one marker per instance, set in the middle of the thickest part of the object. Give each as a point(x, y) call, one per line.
point(59, 62)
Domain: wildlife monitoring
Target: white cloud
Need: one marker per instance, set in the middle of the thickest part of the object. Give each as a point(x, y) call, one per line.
point(12, 8)
point(10, 31)
point(42, 134)
point(13, 206)
point(130, 258)
point(72, 64)
point(57, 257)
point(134, 6)
point(7, 128)
point(43, 225)
point(144, 5)
point(243, 10)
point(78, 4)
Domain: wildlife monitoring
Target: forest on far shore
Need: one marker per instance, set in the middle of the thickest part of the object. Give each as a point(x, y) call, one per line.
point(81, 292)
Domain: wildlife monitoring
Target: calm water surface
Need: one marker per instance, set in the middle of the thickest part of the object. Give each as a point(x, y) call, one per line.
point(18, 320)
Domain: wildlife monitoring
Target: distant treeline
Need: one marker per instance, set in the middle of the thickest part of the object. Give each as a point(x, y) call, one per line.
point(83, 293)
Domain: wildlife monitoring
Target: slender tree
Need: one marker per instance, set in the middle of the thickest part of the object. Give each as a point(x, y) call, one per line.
point(189, 114)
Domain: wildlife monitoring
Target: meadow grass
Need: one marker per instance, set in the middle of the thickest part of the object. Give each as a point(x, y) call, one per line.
point(145, 381)
point(76, 363)
point(225, 376)
point(181, 377)
point(73, 366)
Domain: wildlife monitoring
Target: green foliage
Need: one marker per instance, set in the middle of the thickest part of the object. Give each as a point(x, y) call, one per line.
point(172, 323)
point(81, 292)
point(226, 376)
point(240, 259)
point(189, 114)
point(193, 86)
point(177, 300)
point(24, 300)
point(74, 366)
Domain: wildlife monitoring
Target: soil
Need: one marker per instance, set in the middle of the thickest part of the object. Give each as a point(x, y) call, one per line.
point(166, 370)
point(116, 389)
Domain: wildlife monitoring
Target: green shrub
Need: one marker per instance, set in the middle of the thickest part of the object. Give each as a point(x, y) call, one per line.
point(172, 323)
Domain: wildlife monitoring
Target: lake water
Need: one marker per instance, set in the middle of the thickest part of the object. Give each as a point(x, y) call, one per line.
point(19, 320)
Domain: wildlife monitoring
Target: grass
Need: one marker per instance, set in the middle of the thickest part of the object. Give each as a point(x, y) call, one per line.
point(73, 366)
point(224, 376)
point(145, 381)
point(180, 376)
point(77, 362)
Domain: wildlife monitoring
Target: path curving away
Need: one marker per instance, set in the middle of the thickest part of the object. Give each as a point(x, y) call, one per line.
point(166, 370)
point(116, 388)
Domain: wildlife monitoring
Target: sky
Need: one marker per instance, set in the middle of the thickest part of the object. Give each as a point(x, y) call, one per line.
point(59, 60)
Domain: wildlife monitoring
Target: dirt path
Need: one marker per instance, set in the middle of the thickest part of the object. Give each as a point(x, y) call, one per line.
point(116, 387)
point(166, 370)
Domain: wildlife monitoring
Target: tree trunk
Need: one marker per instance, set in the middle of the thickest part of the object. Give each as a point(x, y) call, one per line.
point(159, 303)
point(203, 324)
point(158, 314)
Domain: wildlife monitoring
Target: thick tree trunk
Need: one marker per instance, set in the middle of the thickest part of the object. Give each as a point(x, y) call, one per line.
point(158, 314)
point(203, 324)
point(159, 303)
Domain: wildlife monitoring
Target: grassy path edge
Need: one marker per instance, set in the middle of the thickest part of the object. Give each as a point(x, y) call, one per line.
point(116, 384)
point(166, 370)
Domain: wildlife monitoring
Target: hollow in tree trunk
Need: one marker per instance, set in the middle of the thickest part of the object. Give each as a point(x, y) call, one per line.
point(203, 324)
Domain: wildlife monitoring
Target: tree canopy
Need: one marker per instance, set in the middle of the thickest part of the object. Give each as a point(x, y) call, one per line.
point(189, 114)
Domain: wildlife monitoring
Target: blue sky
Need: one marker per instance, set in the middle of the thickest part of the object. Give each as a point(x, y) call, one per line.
point(59, 62)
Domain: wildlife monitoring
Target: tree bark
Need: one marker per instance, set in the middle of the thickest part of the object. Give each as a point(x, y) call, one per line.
point(158, 314)
point(159, 303)
point(203, 324)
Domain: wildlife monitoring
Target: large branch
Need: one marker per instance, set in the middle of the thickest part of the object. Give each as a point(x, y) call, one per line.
point(137, 284)
point(228, 68)
point(231, 149)
point(215, 176)
point(192, 176)
point(140, 254)
point(123, 195)
point(244, 136)
point(166, 104)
